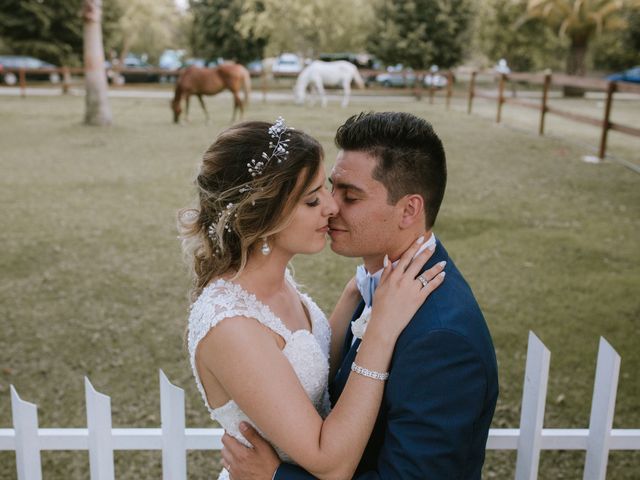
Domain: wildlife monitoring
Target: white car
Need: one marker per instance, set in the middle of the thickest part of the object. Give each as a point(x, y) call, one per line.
point(288, 63)
point(436, 80)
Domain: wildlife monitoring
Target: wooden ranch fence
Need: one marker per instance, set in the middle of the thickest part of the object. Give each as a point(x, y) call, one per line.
point(174, 440)
point(545, 80)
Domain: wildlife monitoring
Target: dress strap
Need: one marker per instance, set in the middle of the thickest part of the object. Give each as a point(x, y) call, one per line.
point(224, 299)
point(221, 300)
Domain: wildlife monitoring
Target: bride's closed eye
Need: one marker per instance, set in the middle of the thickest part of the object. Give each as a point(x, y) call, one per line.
point(313, 203)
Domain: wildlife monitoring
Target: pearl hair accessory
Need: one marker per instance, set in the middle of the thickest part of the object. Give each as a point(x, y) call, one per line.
point(212, 230)
point(277, 150)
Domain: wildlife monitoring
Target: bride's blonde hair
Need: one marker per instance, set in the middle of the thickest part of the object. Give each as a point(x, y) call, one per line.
point(235, 211)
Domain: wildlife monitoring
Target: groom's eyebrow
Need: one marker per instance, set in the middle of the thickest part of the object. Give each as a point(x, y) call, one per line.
point(347, 186)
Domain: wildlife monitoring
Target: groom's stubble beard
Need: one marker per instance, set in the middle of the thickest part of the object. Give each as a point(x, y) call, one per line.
point(350, 246)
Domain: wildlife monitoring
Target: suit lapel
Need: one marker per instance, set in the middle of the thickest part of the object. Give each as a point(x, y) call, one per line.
point(348, 338)
point(350, 351)
point(348, 355)
point(343, 373)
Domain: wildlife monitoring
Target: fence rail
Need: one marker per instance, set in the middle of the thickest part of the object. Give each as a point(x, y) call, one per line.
point(546, 81)
point(174, 440)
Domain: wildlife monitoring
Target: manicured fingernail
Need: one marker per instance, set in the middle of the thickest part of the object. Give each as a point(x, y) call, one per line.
point(385, 261)
point(243, 426)
point(442, 263)
point(442, 274)
point(420, 240)
point(431, 248)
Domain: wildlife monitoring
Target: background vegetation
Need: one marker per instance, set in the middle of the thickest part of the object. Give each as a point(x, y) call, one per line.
point(93, 281)
point(417, 33)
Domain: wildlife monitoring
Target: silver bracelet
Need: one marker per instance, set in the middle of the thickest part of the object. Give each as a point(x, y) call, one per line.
point(369, 373)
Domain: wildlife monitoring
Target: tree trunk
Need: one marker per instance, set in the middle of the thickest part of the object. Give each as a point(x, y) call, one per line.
point(97, 111)
point(126, 46)
point(576, 64)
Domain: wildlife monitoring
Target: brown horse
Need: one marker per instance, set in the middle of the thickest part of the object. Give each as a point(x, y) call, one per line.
point(209, 81)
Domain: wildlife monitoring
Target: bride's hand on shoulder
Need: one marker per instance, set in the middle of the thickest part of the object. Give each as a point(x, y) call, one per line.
point(402, 289)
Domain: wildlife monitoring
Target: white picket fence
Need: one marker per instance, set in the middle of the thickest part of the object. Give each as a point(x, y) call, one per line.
point(100, 439)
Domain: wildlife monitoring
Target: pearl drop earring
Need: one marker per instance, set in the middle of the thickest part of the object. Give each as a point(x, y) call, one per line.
point(266, 250)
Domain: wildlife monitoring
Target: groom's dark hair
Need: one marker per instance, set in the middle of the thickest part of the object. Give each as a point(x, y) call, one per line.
point(409, 154)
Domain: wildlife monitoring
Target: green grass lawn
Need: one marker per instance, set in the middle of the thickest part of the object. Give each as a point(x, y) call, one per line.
point(92, 280)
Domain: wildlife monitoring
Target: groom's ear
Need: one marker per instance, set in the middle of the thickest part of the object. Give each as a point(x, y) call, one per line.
point(412, 210)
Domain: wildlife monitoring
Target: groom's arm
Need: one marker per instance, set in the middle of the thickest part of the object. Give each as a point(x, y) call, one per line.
point(436, 392)
point(286, 471)
point(435, 395)
point(258, 463)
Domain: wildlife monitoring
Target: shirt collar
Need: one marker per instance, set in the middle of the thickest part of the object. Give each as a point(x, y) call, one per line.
point(367, 282)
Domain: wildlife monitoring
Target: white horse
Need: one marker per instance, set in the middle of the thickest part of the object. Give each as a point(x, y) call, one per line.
point(319, 74)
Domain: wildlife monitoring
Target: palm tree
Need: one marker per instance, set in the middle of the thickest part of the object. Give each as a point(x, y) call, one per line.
point(97, 111)
point(579, 21)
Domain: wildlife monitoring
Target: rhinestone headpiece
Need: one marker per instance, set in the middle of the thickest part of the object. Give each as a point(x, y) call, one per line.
point(277, 150)
point(278, 147)
point(212, 230)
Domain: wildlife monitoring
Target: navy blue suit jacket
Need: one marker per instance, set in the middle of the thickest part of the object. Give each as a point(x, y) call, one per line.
point(440, 396)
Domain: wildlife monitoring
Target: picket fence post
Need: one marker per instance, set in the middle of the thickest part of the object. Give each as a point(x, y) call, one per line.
point(100, 438)
point(99, 433)
point(174, 452)
point(25, 424)
point(602, 408)
point(534, 394)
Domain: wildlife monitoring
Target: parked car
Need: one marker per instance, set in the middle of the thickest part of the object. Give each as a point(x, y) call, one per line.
point(631, 75)
point(360, 60)
point(255, 67)
point(288, 63)
point(20, 61)
point(436, 80)
point(397, 76)
point(170, 60)
point(133, 70)
point(196, 62)
point(215, 62)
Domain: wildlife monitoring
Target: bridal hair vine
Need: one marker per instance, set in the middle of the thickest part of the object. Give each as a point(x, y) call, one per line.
point(278, 151)
point(212, 230)
point(278, 146)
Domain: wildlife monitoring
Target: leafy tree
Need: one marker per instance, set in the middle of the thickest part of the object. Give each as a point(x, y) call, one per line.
point(580, 21)
point(48, 29)
point(146, 26)
point(419, 33)
point(308, 26)
point(528, 48)
point(216, 34)
point(621, 49)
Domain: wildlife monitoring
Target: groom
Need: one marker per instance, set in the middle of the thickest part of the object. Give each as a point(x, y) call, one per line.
point(389, 181)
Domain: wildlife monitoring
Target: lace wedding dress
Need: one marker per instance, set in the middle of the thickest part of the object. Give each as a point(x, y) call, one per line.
point(308, 352)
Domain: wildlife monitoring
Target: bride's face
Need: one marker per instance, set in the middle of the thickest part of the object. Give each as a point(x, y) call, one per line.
point(306, 231)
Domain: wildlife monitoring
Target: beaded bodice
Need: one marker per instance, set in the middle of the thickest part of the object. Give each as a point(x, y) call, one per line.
point(308, 352)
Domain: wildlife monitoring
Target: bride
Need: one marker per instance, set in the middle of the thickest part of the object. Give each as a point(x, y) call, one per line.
point(260, 348)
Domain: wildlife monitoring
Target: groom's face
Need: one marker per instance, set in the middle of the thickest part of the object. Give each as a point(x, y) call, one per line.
point(366, 224)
